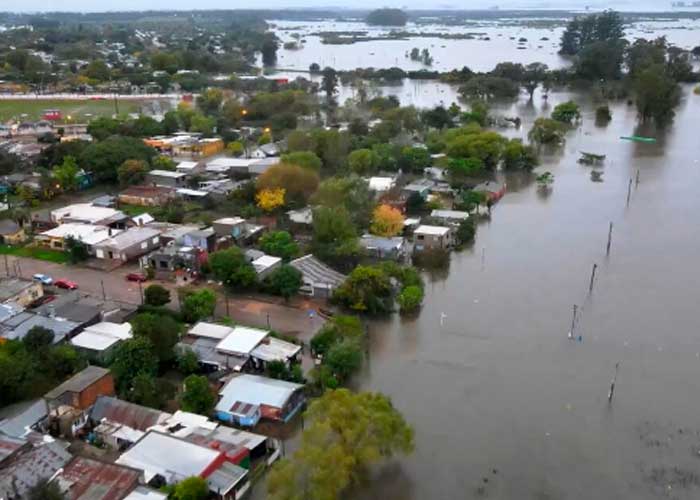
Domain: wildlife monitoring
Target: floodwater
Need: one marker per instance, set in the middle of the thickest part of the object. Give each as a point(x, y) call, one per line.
point(504, 405)
point(478, 53)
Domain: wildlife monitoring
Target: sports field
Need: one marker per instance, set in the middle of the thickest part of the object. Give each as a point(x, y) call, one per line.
point(78, 110)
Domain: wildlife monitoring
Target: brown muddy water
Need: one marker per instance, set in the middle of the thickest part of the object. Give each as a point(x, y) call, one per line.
point(504, 405)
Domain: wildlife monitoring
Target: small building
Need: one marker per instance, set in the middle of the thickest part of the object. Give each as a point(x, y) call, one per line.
point(166, 178)
point(319, 279)
point(128, 245)
point(421, 187)
point(89, 479)
point(98, 341)
point(23, 464)
point(19, 419)
point(68, 403)
point(452, 217)
point(119, 424)
point(301, 217)
point(190, 167)
point(203, 239)
point(20, 291)
point(166, 459)
point(87, 213)
point(11, 233)
point(266, 265)
point(229, 226)
point(274, 349)
point(494, 190)
point(381, 184)
point(88, 234)
point(245, 399)
point(241, 340)
point(384, 248)
point(146, 196)
point(172, 259)
point(18, 326)
point(432, 237)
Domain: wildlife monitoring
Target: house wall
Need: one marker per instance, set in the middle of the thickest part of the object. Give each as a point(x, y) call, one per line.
point(430, 241)
point(231, 419)
point(28, 295)
point(166, 181)
point(14, 239)
point(87, 398)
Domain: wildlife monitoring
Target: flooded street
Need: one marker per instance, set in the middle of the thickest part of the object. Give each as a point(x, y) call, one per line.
point(506, 406)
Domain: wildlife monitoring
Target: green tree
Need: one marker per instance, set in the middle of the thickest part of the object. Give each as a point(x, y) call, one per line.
point(582, 31)
point(161, 330)
point(566, 112)
point(346, 434)
point(235, 148)
point(299, 183)
point(414, 159)
point(438, 117)
point(466, 231)
point(210, 101)
point(338, 328)
point(285, 281)
point(197, 395)
point(351, 192)
point(366, 289)
point(334, 235)
point(362, 162)
point(188, 362)
point(547, 131)
point(144, 391)
point(410, 298)
point(198, 305)
point(45, 490)
point(156, 295)
point(231, 267)
point(486, 146)
point(279, 244)
point(269, 51)
point(132, 357)
point(103, 158)
point(192, 488)
point(76, 250)
point(203, 125)
point(519, 156)
point(132, 172)
point(98, 70)
point(344, 358)
point(66, 174)
point(163, 162)
point(657, 94)
point(38, 338)
point(306, 159)
point(329, 81)
point(387, 17)
point(489, 87)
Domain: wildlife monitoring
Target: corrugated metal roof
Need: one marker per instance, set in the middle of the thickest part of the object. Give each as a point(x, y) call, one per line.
point(256, 390)
point(274, 349)
point(17, 423)
point(317, 272)
point(242, 340)
point(88, 479)
point(226, 477)
point(25, 470)
point(125, 413)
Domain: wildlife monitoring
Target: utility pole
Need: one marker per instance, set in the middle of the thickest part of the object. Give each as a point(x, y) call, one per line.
point(636, 181)
point(573, 322)
point(141, 291)
point(104, 294)
point(607, 252)
point(590, 287)
point(7, 267)
point(611, 393)
point(629, 191)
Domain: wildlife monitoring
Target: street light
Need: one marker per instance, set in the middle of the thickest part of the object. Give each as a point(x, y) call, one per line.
point(244, 112)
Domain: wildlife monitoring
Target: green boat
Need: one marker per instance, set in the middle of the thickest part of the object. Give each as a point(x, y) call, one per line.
point(638, 138)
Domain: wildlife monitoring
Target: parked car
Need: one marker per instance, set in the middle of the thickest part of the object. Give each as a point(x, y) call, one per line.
point(138, 277)
point(41, 301)
point(44, 279)
point(67, 284)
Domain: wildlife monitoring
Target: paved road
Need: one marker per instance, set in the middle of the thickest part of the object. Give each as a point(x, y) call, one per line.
point(293, 319)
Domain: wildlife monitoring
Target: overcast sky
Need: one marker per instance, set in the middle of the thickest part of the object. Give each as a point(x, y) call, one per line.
point(105, 5)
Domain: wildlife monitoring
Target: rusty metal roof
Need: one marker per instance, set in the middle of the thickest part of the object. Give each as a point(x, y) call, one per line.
point(125, 413)
point(88, 479)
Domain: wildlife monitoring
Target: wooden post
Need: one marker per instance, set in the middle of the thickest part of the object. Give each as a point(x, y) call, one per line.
point(611, 393)
point(104, 295)
point(636, 181)
point(629, 192)
point(590, 287)
point(609, 238)
point(573, 322)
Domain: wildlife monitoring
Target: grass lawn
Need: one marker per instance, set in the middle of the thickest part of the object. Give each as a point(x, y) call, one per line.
point(134, 210)
point(39, 253)
point(79, 110)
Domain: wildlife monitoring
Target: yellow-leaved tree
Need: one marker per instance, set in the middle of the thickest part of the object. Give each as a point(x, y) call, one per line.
point(270, 199)
point(386, 221)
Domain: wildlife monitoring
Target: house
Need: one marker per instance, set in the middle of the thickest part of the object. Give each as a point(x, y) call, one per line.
point(11, 233)
point(269, 150)
point(87, 213)
point(432, 237)
point(18, 420)
point(450, 217)
point(494, 190)
point(274, 349)
point(204, 338)
point(166, 178)
point(142, 219)
point(241, 340)
point(24, 463)
point(319, 279)
point(18, 326)
point(266, 265)
point(128, 245)
point(250, 167)
point(381, 184)
point(192, 194)
point(146, 196)
point(20, 291)
point(245, 399)
point(68, 403)
point(174, 260)
point(88, 234)
point(420, 187)
point(241, 446)
point(166, 459)
point(190, 167)
point(301, 217)
point(384, 248)
point(119, 424)
point(89, 479)
point(97, 342)
point(203, 239)
point(229, 226)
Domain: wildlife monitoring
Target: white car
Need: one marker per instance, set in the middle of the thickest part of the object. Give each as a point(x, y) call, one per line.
point(44, 279)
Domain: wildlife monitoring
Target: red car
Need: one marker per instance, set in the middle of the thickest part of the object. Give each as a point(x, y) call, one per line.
point(138, 277)
point(67, 284)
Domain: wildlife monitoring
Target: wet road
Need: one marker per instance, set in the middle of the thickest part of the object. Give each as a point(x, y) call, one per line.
point(504, 405)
